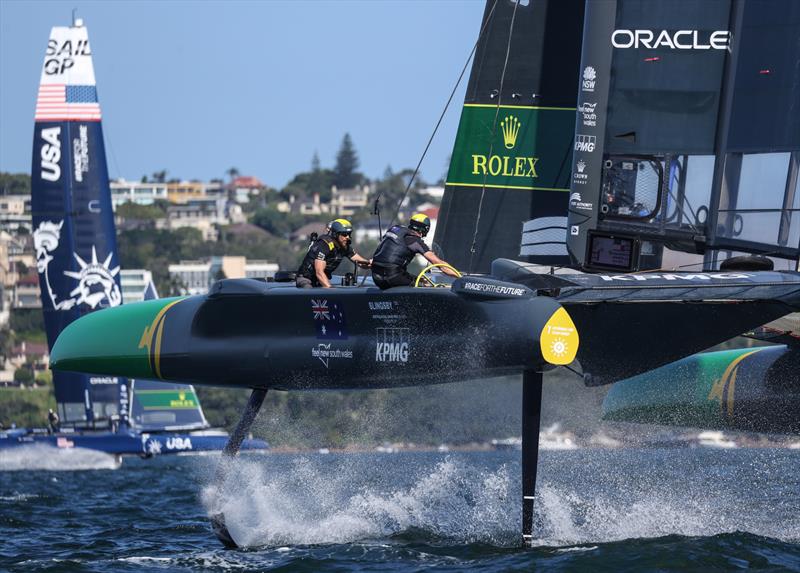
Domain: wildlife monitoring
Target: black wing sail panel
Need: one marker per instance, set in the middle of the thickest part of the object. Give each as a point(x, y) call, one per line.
point(73, 224)
point(693, 141)
point(511, 159)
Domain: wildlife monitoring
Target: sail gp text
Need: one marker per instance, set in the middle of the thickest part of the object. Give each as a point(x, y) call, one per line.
point(392, 345)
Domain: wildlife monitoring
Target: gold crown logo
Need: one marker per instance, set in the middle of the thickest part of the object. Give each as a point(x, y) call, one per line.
point(510, 126)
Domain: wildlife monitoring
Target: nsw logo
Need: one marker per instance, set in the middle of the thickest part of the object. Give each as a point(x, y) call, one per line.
point(587, 110)
point(589, 75)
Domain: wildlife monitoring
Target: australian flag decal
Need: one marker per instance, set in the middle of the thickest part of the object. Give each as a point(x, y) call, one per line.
point(329, 320)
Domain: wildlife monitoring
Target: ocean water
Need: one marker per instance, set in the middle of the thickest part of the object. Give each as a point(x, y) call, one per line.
point(597, 510)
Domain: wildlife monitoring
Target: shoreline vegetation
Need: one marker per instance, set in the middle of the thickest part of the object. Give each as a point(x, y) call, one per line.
point(456, 417)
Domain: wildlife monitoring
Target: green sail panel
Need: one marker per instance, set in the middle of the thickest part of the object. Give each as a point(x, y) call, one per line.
point(526, 60)
point(526, 152)
point(167, 399)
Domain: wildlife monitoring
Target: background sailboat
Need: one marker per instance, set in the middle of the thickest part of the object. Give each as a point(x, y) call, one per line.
point(79, 272)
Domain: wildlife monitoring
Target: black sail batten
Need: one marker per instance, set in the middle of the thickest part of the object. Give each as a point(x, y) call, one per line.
point(526, 176)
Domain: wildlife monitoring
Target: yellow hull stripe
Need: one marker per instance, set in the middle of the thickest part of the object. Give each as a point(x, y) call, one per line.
point(728, 380)
point(160, 331)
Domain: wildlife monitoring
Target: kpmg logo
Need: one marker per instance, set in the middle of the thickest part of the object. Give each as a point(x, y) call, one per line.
point(392, 345)
point(510, 126)
point(677, 40)
point(585, 142)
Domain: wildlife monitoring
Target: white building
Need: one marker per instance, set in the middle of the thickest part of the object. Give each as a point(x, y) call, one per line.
point(193, 276)
point(15, 212)
point(201, 214)
point(260, 269)
point(26, 293)
point(137, 285)
point(197, 276)
point(346, 202)
point(433, 191)
point(134, 192)
point(245, 187)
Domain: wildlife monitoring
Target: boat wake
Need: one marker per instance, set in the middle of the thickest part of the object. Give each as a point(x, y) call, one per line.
point(39, 457)
point(565, 518)
point(311, 504)
point(310, 501)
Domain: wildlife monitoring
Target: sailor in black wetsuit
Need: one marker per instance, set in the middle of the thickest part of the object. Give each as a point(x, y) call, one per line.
point(53, 422)
point(398, 248)
point(325, 254)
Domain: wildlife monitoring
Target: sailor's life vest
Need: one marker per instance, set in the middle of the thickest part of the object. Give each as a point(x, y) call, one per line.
point(394, 251)
point(323, 249)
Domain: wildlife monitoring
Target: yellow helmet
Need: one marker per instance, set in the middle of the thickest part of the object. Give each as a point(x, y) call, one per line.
point(341, 227)
point(420, 222)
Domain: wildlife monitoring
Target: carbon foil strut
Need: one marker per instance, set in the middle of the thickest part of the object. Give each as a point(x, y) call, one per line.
point(531, 414)
point(230, 451)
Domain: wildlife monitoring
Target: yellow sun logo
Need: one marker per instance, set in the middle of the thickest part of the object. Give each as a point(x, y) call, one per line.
point(559, 347)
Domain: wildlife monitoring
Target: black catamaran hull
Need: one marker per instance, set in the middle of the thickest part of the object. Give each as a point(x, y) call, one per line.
point(251, 334)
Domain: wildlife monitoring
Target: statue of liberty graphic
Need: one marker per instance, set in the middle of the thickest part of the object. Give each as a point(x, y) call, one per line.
point(97, 285)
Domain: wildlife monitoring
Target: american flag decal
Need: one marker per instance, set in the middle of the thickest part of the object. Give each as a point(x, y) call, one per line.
point(59, 102)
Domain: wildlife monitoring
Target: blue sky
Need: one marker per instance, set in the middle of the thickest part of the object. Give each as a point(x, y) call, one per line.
point(198, 87)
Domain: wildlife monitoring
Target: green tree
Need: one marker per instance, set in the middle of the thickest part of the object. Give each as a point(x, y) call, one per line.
point(318, 182)
point(233, 173)
point(23, 375)
point(27, 323)
point(131, 210)
point(15, 183)
point(346, 169)
point(304, 185)
point(160, 176)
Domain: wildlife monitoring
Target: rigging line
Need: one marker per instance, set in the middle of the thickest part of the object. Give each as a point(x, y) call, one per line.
point(494, 131)
point(441, 117)
point(678, 206)
point(113, 153)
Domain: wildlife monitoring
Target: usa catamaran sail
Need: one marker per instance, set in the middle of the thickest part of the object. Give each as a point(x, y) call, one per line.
point(76, 256)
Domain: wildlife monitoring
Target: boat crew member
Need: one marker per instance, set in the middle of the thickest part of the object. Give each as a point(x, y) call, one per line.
point(53, 421)
point(325, 255)
point(398, 248)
